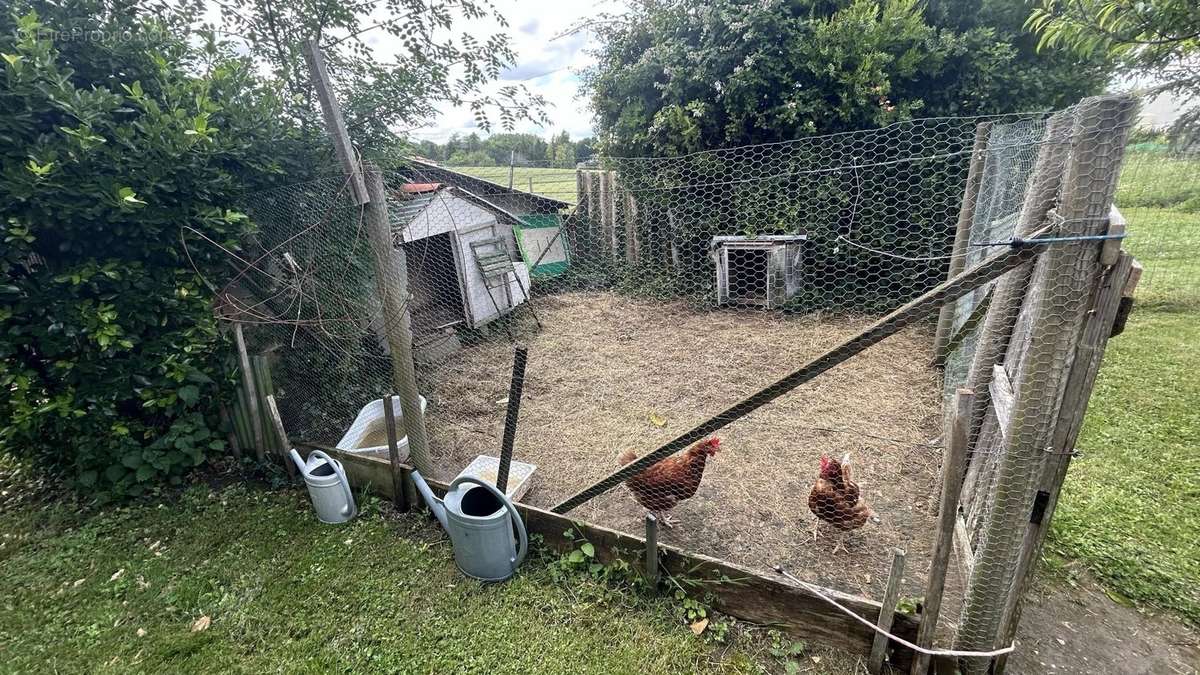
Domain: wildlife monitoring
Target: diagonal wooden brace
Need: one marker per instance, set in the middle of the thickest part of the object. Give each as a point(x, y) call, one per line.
point(928, 303)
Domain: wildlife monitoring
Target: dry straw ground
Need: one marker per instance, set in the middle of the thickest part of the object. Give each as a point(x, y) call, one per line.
point(605, 368)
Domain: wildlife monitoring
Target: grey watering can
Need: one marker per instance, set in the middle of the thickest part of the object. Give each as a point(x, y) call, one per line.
point(327, 486)
point(479, 519)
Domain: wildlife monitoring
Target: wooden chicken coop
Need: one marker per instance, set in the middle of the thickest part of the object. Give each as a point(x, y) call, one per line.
point(764, 271)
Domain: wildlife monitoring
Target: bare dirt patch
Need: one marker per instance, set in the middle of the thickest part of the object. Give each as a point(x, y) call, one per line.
point(1078, 629)
point(604, 365)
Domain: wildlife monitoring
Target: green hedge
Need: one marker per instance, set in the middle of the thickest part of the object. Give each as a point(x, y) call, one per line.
point(114, 149)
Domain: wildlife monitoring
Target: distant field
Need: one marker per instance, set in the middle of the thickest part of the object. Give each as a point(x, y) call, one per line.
point(556, 183)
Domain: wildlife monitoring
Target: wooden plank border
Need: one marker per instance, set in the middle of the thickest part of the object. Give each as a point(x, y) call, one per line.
point(737, 591)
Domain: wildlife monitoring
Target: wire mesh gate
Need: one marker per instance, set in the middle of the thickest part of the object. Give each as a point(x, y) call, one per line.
point(654, 292)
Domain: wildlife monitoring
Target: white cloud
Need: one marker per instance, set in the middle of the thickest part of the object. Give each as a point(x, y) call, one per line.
point(547, 62)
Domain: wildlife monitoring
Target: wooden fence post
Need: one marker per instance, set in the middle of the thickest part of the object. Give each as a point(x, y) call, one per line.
point(391, 273)
point(606, 213)
point(251, 393)
point(1092, 344)
point(1065, 276)
point(887, 613)
point(391, 282)
point(962, 235)
point(952, 470)
point(1009, 292)
point(631, 237)
point(334, 123)
point(399, 496)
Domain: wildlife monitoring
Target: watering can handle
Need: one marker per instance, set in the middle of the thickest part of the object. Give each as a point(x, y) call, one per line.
point(341, 474)
point(521, 534)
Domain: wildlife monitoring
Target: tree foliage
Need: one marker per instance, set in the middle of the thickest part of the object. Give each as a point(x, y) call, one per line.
point(118, 136)
point(1158, 39)
point(674, 77)
point(500, 149)
point(382, 93)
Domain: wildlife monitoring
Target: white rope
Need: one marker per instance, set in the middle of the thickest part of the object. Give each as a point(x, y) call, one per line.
point(854, 615)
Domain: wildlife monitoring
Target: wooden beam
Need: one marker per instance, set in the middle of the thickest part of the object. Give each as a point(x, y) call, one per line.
point(887, 613)
point(952, 471)
point(1092, 343)
point(334, 121)
point(973, 321)
point(399, 497)
point(391, 285)
point(962, 236)
point(1001, 390)
point(390, 266)
point(251, 393)
point(285, 444)
point(735, 590)
point(919, 308)
point(630, 222)
point(962, 544)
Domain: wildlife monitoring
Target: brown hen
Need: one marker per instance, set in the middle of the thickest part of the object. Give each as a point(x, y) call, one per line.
point(661, 486)
point(836, 499)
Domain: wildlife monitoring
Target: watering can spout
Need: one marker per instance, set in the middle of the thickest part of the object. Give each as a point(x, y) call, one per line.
point(299, 462)
point(435, 504)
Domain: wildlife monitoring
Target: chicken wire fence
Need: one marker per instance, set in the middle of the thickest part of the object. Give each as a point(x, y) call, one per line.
point(653, 293)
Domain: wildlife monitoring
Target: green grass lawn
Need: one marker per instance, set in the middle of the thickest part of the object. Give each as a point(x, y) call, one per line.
point(1130, 511)
point(555, 183)
point(120, 590)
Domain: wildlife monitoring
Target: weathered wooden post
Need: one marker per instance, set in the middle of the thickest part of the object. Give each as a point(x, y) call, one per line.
point(390, 266)
point(1064, 278)
point(962, 236)
point(391, 282)
point(1100, 319)
point(399, 496)
point(952, 470)
point(887, 613)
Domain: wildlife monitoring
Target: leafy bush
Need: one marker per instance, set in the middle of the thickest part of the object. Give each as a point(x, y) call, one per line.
point(111, 361)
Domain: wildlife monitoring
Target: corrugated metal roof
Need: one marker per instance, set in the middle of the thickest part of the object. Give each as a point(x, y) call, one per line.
point(402, 211)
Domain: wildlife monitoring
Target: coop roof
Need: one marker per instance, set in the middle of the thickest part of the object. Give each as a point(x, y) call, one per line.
point(481, 188)
point(411, 200)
